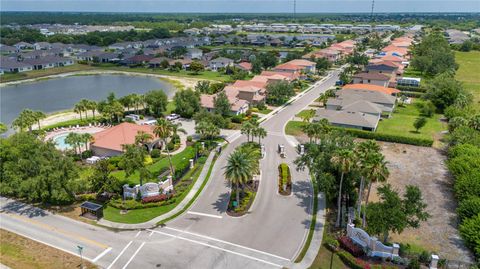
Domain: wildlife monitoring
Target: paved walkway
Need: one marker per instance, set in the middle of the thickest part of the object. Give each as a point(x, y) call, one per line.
point(153, 222)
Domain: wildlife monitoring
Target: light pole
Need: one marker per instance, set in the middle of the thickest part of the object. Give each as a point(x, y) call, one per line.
point(80, 250)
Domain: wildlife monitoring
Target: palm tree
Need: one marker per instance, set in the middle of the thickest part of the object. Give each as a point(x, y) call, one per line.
point(308, 115)
point(74, 140)
point(344, 161)
point(84, 103)
point(142, 138)
point(261, 133)
point(134, 159)
point(247, 128)
point(363, 151)
point(163, 129)
point(238, 171)
point(79, 108)
point(86, 139)
point(91, 105)
point(377, 171)
point(24, 120)
point(39, 115)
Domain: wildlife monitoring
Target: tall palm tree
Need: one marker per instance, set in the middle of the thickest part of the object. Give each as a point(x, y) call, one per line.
point(75, 140)
point(344, 161)
point(261, 133)
point(164, 130)
point(84, 103)
point(91, 105)
point(247, 128)
point(308, 115)
point(39, 115)
point(377, 171)
point(363, 151)
point(78, 108)
point(86, 139)
point(24, 120)
point(238, 171)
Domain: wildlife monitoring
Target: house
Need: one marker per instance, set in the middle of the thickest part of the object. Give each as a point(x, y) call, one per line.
point(297, 65)
point(194, 53)
point(137, 59)
point(456, 37)
point(394, 50)
point(374, 78)
point(49, 62)
point(332, 55)
point(383, 67)
point(372, 87)
point(279, 75)
point(245, 66)
point(88, 55)
point(345, 97)
point(23, 45)
point(13, 66)
point(220, 62)
point(357, 115)
point(4, 49)
point(110, 142)
point(237, 106)
point(184, 62)
point(156, 62)
point(42, 46)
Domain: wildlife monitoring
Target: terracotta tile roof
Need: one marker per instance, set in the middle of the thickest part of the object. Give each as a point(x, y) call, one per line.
point(122, 134)
point(246, 83)
point(207, 100)
point(392, 58)
point(370, 87)
point(301, 62)
point(288, 66)
point(392, 48)
point(245, 66)
point(288, 75)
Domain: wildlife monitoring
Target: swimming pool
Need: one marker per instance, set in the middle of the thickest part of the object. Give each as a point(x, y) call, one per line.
point(60, 142)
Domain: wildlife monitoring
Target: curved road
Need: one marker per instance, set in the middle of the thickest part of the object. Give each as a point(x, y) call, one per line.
point(269, 236)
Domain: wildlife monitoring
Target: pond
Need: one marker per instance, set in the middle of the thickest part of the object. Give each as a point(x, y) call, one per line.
point(63, 93)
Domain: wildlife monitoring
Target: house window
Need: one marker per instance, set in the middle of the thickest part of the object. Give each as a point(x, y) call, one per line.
point(368, 81)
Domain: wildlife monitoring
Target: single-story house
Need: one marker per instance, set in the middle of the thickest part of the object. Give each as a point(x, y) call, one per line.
point(12, 66)
point(350, 117)
point(371, 87)
point(49, 62)
point(23, 45)
point(194, 53)
point(237, 106)
point(346, 97)
point(5, 49)
point(137, 59)
point(110, 142)
point(245, 66)
point(297, 65)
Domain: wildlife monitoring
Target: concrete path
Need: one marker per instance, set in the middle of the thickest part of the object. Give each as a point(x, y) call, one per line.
point(153, 222)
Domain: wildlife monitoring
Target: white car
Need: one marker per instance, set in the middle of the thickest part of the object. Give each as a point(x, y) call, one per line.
point(173, 117)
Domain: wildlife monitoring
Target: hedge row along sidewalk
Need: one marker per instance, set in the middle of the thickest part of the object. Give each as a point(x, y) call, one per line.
point(185, 203)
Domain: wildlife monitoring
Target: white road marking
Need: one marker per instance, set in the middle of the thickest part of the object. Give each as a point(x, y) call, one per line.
point(133, 256)
point(221, 249)
point(138, 234)
point(228, 243)
point(119, 255)
point(101, 255)
point(204, 214)
point(151, 233)
point(45, 243)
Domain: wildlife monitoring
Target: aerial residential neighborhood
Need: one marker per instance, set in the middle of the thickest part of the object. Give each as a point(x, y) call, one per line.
point(249, 134)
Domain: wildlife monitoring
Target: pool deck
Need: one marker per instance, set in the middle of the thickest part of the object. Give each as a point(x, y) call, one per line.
point(80, 130)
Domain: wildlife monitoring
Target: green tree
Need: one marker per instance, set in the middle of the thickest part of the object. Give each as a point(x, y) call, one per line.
point(127, 101)
point(142, 138)
point(419, 123)
point(344, 161)
point(256, 67)
point(187, 103)
point(79, 108)
point(260, 132)
point(101, 179)
point(86, 139)
point(433, 55)
point(247, 129)
point(222, 105)
point(444, 90)
point(206, 129)
point(376, 171)
point(164, 131)
point(196, 67)
point(279, 93)
point(38, 116)
point(203, 86)
point(364, 151)
point(308, 115)
point(75, 141)
point(3, 128)
point(92, 106)
point(134, 159)
point(24, 120)
point(395, 214)
point(156, 102)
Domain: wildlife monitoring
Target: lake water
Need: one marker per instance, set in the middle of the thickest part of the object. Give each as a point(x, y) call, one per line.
point(63, 93)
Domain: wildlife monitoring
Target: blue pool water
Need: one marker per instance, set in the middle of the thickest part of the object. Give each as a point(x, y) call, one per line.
point(60, 142)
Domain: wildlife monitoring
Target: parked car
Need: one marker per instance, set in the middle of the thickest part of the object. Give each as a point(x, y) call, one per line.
point(173, 117)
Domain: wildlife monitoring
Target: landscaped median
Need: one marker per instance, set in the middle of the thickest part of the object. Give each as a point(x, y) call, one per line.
point(284, 180)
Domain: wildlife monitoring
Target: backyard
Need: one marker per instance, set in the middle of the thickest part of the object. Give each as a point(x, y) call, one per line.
point(468, 73)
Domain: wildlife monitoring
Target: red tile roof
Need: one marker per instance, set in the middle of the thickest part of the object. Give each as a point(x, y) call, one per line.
point(122, 134)
point(370, 87)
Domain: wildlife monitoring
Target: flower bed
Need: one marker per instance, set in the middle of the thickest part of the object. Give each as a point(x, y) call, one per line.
point(284, 179)
point(246, 200)
point(347, 244)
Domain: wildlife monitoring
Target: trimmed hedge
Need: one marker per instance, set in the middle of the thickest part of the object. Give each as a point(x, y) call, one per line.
point(413, 94)
point(411, 88)
point(351, 261)
point(387, 137)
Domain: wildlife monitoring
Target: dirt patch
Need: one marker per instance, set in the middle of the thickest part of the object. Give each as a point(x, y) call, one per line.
point(19, 252)
point(425, 168)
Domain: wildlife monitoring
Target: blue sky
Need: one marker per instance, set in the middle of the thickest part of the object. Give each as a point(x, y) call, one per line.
point(241, 6)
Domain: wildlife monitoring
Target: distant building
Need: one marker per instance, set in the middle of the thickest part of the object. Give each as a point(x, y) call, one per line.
point(220, 62)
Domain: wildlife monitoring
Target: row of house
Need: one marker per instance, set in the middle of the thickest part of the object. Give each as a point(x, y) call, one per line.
point(372, 96)
point(333, 53)
point(244, 93)
point(318, 28)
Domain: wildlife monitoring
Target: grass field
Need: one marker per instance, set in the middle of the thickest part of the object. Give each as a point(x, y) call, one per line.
point(19, 252)
point(401, 123)
point(44, 72)
point(469, 71)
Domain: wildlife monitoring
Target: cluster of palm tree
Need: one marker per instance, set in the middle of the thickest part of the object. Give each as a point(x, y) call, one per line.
point(207, 129)
point(315, 130)
point(84, 106)
point(27, 119)
point(77, 140)
point(133, 100)
point(252, 129)
point(367, 161)
point(241, 166)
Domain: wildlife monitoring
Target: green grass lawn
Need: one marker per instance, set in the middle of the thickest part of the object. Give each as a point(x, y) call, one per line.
point(401, 123)
point(294, 128)
point(468, 71)
point(157, 167)
point(303, 113)
point(145, 214)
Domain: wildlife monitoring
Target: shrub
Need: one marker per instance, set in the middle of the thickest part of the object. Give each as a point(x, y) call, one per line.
point(114, 161)
point(347, 244)
point(156, 198)
point(170, 146)
point(331, 244)
point(464, 149)
point(388, 138)
point(468, 185)
point(427, 109)
point(351, 261)
point(469, 208)
point(237, 119)
point(189, 138)
point(86, 197)
point(411, 88)
point(413, 264)
point(155, 153)
point(413, 94)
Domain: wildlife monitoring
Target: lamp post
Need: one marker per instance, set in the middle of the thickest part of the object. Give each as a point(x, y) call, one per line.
point(80, 251)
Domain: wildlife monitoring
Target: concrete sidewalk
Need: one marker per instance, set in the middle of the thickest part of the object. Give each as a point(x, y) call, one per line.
point(153, 222)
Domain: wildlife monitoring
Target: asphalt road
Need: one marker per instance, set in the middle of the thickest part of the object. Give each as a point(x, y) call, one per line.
point(269, 236)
